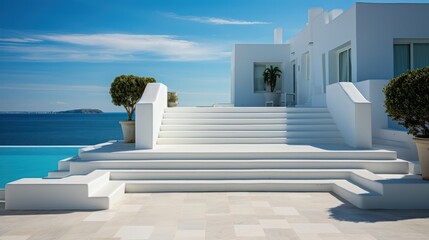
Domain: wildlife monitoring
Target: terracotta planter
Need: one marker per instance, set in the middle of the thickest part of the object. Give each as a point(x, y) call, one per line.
point(172, 104)
point(423, 151)
point(129, 131)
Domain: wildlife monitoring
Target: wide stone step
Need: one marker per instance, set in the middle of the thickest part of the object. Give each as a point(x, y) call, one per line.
point(248, 134)
point(265, 121)
point(242, 109)
point(266, 127)
point(235, 115)
point(251, 140)
point(373, 165)
point(223, 140)
point(230, 174)
point(111, 151)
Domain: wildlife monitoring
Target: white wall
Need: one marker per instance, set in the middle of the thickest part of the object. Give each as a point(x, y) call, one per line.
point(243, 58)
point(326, 35)
point(149, 113)
point(377, 25)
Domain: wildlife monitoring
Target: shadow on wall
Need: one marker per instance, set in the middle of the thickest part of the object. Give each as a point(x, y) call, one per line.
point(349, 213)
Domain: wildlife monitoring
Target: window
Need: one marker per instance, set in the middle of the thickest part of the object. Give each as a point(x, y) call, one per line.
point(306, 66)
point(345, 66)
point(258, 78)
point(410, 55)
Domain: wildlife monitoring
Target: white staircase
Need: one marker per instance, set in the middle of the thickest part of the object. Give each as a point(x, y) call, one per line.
point(231, 149)
point(248, 125)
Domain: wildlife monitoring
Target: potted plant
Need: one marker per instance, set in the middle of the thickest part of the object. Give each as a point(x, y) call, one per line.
point(270, 75)
point(407, 102)
point(126, 91)
point(172, 99)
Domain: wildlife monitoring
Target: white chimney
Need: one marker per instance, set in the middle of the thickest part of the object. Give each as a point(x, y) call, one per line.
point(278, 35)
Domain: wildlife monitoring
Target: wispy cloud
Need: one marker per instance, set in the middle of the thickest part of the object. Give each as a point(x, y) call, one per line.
point(54, 87)
point(19, 40)
point(60, 103)
point(110, 47)
point(214, 20)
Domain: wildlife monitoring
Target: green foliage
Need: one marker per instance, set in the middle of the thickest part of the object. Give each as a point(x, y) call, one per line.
point(172, 97)
point(270, 76)
point(407, 101)
point(126, 91)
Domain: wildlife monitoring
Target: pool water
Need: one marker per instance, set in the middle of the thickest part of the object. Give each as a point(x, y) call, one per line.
point(30, 162)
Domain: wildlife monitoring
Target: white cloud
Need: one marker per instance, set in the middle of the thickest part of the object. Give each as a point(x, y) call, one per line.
point(54, 87)
point(114, 47)
point(60, 103)
point(19, 40)
point(213, 20)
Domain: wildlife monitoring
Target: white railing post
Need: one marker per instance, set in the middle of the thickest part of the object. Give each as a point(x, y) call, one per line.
point(149, 113)
point(351, 113)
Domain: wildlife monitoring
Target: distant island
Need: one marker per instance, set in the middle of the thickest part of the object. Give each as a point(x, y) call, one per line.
point(83, 110)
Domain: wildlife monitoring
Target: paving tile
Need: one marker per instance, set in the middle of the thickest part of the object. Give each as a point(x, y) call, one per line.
point(285, 211)
point(190, 234)
point(134, 232)
point(249, 231)
point(15, 237)
point(99, 217)
point(274, 223)
point(314, 228)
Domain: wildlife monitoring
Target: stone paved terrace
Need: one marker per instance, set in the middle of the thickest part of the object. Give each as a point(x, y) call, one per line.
point(239, 215)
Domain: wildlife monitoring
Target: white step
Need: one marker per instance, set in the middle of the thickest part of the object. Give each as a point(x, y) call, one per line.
point(257, 140)
point(119, 150)
point(222, 134)
point(245, 115)
point(299, 185)
point(246, 121)
point(248, 134)
point(242, 109)
point(376, 166)
point(110, 193)
point(58, 174)
point(270, 127)
point(230, 174)
point(250, 140)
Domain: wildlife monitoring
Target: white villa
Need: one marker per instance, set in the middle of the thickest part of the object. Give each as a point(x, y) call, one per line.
point(330, 134)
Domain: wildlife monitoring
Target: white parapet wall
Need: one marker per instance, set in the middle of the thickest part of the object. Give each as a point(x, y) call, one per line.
point(352, 114)
point(149, 112)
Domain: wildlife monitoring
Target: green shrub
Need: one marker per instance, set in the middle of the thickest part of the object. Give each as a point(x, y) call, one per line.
point(407, 101)
point(172, 97)
point(126, 91)
point(270, 76)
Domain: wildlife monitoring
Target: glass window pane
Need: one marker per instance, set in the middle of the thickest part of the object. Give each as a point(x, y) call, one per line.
point(421, 55)
point(401, 56)
point(344, 66)
point(258, 78)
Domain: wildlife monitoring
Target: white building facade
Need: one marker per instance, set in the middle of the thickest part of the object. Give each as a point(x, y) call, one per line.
point(366, 45)
point(368, 41)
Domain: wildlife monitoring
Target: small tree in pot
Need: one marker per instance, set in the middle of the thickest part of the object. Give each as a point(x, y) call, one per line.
point(126, 91)
point(407, 102)
point(270, 75)
point(172, 99)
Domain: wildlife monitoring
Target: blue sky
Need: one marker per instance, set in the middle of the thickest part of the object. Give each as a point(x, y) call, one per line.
point(57, 55)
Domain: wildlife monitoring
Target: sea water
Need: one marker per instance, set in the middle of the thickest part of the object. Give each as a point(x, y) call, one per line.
point(32, 144)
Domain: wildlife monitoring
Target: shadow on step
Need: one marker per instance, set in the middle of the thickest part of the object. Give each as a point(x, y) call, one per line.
point(349, 213)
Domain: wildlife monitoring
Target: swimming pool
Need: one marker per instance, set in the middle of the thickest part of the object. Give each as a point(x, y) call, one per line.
point(31, 162)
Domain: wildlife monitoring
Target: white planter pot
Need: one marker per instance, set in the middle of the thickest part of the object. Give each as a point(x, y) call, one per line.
point(269, 96)
point(129, 131)
point(277, 99)
point(423, 151)
point(172, 104)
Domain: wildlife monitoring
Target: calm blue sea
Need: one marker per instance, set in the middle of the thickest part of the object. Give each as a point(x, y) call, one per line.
point(48, 131)
point(59, 129)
